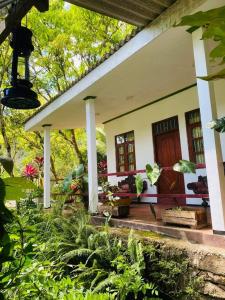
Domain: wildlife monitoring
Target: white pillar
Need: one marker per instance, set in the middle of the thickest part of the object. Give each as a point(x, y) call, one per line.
point(92, 154)
point(47, 168)
point(212, 146)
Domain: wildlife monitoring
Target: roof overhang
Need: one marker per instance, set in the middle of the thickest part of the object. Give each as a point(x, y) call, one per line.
point(156, 62)
point(136, 12)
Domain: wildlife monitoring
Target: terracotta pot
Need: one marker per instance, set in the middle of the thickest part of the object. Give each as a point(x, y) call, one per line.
point(120, 211)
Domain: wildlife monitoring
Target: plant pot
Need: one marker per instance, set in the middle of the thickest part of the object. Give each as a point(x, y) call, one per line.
point(120, 211)
point(193, 217)
point(39, 200)
point(119, 202)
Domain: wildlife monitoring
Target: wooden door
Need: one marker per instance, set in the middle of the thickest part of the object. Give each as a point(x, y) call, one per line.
point(167, 153)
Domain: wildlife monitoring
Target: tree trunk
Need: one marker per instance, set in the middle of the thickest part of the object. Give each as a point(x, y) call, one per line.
point(53, 170)
point(73, 142)
point(76, 148)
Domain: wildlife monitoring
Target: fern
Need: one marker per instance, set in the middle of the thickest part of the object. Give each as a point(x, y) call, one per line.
point(77, 253)
point(104, 284)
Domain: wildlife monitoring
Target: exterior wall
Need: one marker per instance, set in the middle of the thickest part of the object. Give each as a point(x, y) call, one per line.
point(141, 122)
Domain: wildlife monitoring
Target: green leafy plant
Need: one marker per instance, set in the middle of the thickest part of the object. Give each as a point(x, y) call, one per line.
point(76, 183)
point(68, 258)
point(213, 23)
point(139, 184)
point(218, 125)
point(153, 173)
point(185, 166)
point(11, 188)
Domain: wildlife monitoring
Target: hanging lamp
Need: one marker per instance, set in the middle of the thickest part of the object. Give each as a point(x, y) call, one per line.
point(20, 95)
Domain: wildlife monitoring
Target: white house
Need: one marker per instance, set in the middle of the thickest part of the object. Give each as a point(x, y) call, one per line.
point(152, 107)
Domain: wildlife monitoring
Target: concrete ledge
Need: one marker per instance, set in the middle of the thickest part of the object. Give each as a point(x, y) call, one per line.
point(204, 237)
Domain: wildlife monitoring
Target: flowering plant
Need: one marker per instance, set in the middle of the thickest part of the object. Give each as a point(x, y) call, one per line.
point(112, 199)
point(218, 125)
point(102, 167)
point(75, 185)
point(30, 172)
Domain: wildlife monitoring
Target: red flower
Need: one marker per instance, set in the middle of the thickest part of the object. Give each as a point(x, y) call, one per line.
point(74, 187)
point(30, 172)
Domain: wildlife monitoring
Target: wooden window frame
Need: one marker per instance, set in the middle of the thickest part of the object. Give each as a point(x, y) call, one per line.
point(189, 127)
point(126, 153)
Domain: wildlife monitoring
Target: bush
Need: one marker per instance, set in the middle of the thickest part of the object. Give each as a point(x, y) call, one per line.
point(54, 257)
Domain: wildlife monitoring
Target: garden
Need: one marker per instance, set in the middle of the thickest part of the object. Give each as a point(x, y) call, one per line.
point(60, 253)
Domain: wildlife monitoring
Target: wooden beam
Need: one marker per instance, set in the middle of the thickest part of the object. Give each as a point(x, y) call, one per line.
point(104, 8)
point(14, 18)
point(17, 13)
point(164, 3)
point(148, 5)
point(4, 3)
point(130, 6)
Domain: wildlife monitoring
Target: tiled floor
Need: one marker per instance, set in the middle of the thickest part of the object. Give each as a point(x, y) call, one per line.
point(141, 218)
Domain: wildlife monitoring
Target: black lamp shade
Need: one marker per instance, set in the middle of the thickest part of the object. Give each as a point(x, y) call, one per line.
point(20, 94)
point(20, 97)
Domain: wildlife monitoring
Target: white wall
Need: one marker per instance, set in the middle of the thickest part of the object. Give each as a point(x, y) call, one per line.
point(141, 122)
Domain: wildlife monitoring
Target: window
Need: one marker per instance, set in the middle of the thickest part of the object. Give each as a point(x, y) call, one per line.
point(125, 152)
point(165, 126)
point(195, 138)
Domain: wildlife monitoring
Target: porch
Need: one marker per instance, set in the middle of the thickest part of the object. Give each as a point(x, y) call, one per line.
point(111, 93)
point(141, 218)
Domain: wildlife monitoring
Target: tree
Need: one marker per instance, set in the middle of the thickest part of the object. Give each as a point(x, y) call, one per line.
point(67, 40)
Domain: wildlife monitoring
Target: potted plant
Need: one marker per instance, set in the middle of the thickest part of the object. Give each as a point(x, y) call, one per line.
point(195, 217)
point(75, 186)
point(113, 205)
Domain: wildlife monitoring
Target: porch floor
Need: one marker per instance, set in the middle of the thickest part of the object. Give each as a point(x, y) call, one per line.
point(141, 218)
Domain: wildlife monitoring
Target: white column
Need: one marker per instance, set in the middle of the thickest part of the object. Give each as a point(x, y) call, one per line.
point(92, 155)
point(212, 146)
point(47, 169)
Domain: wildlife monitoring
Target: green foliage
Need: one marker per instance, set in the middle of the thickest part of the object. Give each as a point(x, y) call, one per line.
point(11, 264)
point(139, 184)
point(213, 22)
point(185, 166)
point(78, 174)
point(153, 173)
point(15, 187)
point(5, 242)
point(218, 125)
point(67, 41)
point(68, 258)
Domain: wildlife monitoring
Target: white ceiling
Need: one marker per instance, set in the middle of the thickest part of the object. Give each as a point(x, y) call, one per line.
point(158, 69)
point(163, 66)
